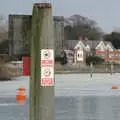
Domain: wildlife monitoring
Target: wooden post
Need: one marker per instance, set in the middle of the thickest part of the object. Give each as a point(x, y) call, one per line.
point(111, 68)
point(91, 69)
point(41, 97)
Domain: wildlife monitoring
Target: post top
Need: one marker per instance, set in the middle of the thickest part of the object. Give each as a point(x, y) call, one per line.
point(43, 5)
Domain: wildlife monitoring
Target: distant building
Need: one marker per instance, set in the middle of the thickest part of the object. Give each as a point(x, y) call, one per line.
point(59, 34)
point(102, 49)
point(70, 56)
point(108, 52)
point(20, 34)
point(84, 48)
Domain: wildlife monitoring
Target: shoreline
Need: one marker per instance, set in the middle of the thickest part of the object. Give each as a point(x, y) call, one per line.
point(79, 72)
point(60, 73)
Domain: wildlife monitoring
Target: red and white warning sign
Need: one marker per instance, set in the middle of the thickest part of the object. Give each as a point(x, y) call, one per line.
point(47, 67)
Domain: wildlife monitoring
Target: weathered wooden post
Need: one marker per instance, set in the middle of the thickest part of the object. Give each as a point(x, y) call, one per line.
point(91, 69)
point(111, 68)
point(42, 64)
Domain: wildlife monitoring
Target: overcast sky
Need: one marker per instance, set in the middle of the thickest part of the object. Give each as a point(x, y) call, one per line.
point(105, 12)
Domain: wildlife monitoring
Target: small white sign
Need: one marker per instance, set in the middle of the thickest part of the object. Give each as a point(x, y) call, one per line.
point(80, 55)
point(47, 67)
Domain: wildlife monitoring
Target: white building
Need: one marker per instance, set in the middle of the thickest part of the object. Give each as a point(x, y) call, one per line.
point(83, 48)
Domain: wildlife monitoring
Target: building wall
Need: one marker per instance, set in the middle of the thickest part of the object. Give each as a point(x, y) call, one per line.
point(110, 56)
point(80, 56)
point(59, 36)
point(20, 35)
point(70, 56)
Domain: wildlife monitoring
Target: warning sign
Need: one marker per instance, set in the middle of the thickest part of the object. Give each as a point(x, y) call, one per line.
point(47, 67)
point(80, 55)
point(47, 57)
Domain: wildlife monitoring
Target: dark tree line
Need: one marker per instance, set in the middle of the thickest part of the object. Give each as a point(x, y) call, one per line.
point(114, 38)
point(73, 33)
point(81, 26)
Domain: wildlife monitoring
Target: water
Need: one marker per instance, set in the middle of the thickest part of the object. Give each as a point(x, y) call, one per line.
point(88, 108)
point(78, 97)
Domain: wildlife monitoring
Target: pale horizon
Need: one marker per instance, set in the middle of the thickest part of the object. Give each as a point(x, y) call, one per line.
point(104, 12)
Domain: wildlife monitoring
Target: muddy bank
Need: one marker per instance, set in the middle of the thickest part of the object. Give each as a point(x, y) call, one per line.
point(86, 69)
point(8, 71)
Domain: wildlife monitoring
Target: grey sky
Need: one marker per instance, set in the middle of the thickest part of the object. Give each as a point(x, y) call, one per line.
point(104, 12)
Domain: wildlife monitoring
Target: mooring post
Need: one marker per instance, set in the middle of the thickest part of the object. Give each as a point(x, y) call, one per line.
point(91, 69)
point(41, 106)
